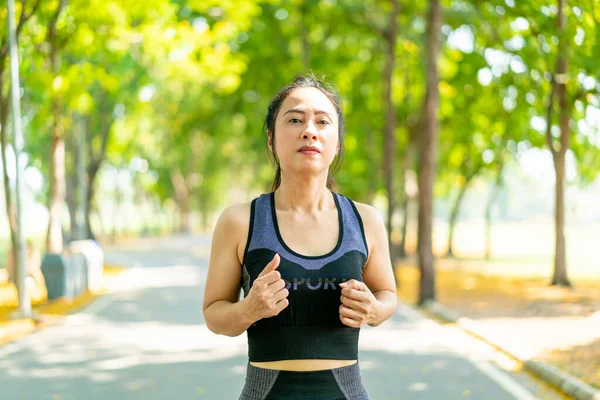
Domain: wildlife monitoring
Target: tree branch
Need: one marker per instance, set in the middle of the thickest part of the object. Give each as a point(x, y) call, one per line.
point(33, 9)
point(51, 35)
point(22, 20)
point(549, 114)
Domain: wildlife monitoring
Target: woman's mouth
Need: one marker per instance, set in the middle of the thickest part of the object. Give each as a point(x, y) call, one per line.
point(308, 150)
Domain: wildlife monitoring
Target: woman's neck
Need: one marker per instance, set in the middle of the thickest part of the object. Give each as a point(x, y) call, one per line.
point(306, 196)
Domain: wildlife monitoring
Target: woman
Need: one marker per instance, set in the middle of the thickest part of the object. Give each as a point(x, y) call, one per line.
point(314, 266)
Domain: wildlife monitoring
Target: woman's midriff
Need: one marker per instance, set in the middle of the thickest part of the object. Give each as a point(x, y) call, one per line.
point(303, 365)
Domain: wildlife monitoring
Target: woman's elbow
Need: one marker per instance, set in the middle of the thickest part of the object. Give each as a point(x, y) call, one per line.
point(220, 330)
point(217, 327)
point(214, 328)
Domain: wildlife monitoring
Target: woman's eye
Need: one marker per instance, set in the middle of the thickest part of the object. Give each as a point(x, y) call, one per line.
point(324, 122)
point(295, 120)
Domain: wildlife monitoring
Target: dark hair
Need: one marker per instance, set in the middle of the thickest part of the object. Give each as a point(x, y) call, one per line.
point(303, 81)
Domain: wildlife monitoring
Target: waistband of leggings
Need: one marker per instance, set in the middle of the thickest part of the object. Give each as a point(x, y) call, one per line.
point(354, 366)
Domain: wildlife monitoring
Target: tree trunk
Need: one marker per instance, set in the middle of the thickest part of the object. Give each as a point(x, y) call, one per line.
point(182, 199)
point(202, 196)
point(402, 246)
point(71, 193)
point(184, 218)
point(99, 217)
point(54, 242)
point(560, 263)
point(456, 209)
point(370, 148)
point(427, 157)
point(11, 212)
point(72, 206)
point(96, 158)
point(88, 210)
point(488, 211)
point(453, 217)
point(408, 162)
point(390, 117)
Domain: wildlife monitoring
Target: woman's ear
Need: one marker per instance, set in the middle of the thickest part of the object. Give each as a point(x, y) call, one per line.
point(270, 141)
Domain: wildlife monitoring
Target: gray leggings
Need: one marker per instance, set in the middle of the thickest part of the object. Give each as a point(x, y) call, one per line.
point(331, 384)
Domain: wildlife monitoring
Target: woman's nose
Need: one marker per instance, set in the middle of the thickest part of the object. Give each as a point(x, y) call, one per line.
point(307, 135)
point(310, 132)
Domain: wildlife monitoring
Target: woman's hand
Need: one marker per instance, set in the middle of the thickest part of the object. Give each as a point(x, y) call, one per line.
point(268, 295)
point(359, 306)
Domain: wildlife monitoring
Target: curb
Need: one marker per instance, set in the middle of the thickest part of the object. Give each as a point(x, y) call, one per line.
point(14, 329)
point(567, 383)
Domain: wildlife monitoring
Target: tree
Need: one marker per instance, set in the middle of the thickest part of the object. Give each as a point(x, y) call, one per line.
point(390, 37)
point(55, 45)
point(559, 88)
point(427, 154)
point(25, 15)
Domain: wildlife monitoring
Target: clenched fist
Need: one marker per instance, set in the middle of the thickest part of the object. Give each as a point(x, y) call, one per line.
point(359, 306)
point(268, 295)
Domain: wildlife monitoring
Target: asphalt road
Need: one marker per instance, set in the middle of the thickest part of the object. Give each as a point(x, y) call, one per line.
point(147, 340)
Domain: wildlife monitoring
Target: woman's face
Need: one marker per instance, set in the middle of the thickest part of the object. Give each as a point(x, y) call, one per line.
point(306, 118)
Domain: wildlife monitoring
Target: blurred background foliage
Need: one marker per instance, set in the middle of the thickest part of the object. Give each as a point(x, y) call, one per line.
point(172, 96)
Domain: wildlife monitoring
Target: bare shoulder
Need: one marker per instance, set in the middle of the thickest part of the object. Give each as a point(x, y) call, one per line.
point(369, 214)
point(373, 225)
point(234, 224)
point(378, 272)
point(236, 215)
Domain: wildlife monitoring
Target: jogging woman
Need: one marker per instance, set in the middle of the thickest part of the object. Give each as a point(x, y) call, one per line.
point(314, 266)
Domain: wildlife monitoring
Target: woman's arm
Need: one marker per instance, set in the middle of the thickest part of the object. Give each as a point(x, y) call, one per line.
point(373, 300)
point(223, 313)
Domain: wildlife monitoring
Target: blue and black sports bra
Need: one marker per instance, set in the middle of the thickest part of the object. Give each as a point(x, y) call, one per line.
point(309, 327)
